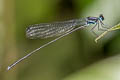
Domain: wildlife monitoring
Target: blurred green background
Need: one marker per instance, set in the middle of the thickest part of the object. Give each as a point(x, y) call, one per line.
point(74, 57)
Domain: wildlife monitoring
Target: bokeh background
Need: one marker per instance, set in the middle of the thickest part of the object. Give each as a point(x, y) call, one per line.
point(74, 57)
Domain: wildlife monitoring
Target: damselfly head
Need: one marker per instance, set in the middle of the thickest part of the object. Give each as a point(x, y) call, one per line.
point(101, 17)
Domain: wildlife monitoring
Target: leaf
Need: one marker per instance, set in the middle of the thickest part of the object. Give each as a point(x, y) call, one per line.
point(107, 69)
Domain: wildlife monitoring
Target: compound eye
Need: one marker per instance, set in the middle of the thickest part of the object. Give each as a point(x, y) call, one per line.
point(101, 17)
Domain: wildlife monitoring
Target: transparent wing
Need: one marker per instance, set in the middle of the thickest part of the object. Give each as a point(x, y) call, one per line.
point(46, 30)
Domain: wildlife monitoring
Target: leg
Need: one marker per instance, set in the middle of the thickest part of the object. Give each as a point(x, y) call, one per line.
point(93, 30)
point(100, 29)
point(104, 26)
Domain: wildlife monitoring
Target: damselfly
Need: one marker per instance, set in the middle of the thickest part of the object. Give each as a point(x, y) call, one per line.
point(60, 29)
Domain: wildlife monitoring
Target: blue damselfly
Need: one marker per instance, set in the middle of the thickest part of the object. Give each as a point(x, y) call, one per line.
point(60, 29)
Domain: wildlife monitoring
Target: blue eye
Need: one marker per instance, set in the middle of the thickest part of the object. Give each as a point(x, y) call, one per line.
point(101, 17)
